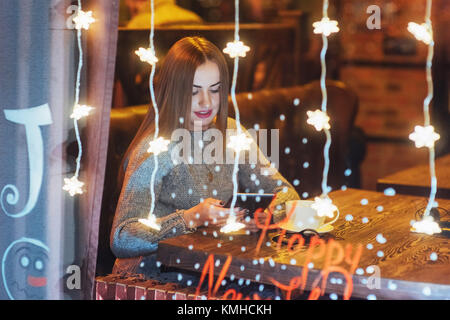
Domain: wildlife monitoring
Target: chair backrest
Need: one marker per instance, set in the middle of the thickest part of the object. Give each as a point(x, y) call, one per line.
point(263, 108)
point(300, 160)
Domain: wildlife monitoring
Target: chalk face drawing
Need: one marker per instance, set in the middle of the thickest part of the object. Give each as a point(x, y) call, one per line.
point(24, 268)
point(32, 119)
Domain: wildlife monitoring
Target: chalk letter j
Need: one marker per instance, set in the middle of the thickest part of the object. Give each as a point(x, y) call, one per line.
point(32, 119)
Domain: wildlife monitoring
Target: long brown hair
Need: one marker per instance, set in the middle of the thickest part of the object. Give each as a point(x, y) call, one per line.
point(173, 90)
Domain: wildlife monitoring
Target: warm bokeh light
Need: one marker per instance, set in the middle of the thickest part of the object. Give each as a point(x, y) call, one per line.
point(80, 111)
point(424, 136)
point(232, 225)
point(325, 26)
point(324, 207)
point(236, 49)
point(147, 55)
point(73, 186)
point(318, 119)
point(421, 31)
point(239, 142)
point(151, 222)
point(426, 225)
point(159, 145)
point(83, 20)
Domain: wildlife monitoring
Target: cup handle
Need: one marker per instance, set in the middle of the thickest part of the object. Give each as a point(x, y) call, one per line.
point(331, 222)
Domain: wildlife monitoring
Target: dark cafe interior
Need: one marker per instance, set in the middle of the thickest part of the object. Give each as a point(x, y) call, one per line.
point(225, 150)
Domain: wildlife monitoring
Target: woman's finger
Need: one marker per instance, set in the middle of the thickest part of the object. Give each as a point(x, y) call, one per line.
point(215, 202)
point(226, 211)
point(253, 228)
point(219, 222)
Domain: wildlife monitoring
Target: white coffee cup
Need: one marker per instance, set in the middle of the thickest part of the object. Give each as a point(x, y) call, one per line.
point(304, 217)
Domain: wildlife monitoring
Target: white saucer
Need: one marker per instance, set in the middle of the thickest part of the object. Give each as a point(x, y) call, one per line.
point(323, 229)
point(326, 228)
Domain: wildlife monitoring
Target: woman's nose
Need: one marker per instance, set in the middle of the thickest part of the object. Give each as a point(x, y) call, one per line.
point(205, 100)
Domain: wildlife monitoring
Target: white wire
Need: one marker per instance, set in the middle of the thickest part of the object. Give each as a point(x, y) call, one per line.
point(77, 97)
point(238, 127)
point(236, 109)
point(326, 150)
point(426, 108)
point(236, 20)
point(324, 73)
point(155, 108)
point(325, 9)
point(152, 181)
point(326, 166)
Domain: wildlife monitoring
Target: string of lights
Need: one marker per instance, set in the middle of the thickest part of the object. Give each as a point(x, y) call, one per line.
point(82, 20)
point(158, 144)
point(425, 136)
point(240, 141)
point(319, 118)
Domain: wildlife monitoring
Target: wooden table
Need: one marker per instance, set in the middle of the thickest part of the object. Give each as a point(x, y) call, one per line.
point(406, 267)
point(416, 180)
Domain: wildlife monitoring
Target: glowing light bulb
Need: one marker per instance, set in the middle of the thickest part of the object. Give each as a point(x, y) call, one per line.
point(80, 111)
point(151, 222)
point(324, 207)
point(318, 119)
point(159, 145)
point(426, 225)
point(421, 32)
point(232, 225)
point(83, 20)
point(325, 26)
point(73, 186)
point(147, 55)
point(424, 136)
point(236, 48)
point(239, 142)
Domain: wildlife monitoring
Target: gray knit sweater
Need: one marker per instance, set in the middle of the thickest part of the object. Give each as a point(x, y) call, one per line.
point(178, 187)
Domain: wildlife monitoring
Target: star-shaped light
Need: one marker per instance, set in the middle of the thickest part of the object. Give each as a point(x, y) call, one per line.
point(151, 222)
point(239, 142)
point(159, 145)
point(324, 207)
point(421, 31)
point(424, 136)
point(426, 225)
point(147, 55)
point(325, 26)
point(83, 20)
point(73, 186)
point(80, 111)
point(236, 49)
point(232, 225)
point(319, 119)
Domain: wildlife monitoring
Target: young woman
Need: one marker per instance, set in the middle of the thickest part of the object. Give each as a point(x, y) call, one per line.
point(191, 93)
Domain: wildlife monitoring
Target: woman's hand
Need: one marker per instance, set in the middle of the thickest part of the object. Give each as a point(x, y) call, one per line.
point(251, 225)
point(210, 211)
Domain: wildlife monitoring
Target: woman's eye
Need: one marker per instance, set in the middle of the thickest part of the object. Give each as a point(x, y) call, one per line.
point(215, 90)
point(194, 93)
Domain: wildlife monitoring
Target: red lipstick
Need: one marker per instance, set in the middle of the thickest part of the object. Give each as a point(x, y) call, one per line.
point(203, 115)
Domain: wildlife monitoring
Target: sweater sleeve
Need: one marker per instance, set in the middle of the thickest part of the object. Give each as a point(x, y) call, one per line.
point(258, 176)
point(129, 237)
